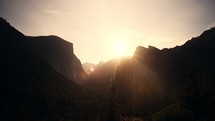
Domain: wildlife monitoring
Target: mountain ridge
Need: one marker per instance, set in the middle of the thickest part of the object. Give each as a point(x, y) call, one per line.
point(59, 54)
point(156, 85)
point(31, 89)
point(155, 73)
point(52, 49)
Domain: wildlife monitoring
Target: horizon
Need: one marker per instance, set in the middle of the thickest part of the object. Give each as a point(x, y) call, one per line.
point(103, 30)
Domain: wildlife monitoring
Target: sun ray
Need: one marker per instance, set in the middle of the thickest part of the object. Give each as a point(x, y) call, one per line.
point(120, 48)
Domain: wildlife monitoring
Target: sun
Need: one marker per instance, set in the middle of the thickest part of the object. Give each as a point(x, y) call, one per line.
point(120, 48)
point(92, 69)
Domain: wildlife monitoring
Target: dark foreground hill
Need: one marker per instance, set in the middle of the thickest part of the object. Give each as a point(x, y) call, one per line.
point(32, 86)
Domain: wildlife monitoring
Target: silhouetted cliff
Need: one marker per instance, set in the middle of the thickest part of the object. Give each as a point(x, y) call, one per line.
point(145, 83)
point(195, 56)
point(32, 89)
point(59, 54)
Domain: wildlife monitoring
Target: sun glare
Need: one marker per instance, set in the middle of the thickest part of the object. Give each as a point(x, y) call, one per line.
point(120, 48)
point(91, 69)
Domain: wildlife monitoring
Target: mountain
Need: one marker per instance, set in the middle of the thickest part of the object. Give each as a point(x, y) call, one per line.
point(102, 75)
point(145, 83)
point(40, 80)
point(195, 56)
point(31, 87)
point(88, 67)
point(59, 54)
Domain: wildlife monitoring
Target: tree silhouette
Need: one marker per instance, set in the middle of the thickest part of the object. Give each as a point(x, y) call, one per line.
point(113, 108)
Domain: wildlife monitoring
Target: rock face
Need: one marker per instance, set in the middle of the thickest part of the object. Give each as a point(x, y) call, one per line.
point(59, 54)
point(173, 65)
point(30, 88)
point(33, 82)
point(143, 81)
point(195, 56)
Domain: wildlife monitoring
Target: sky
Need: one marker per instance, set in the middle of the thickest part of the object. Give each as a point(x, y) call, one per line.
point(104, 29)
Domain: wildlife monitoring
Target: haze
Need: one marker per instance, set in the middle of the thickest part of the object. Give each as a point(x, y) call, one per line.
point(96, 27)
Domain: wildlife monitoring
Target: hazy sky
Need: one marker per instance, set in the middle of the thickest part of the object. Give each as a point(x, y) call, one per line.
point(96, 27)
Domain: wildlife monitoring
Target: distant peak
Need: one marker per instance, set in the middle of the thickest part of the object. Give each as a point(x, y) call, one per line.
point(152, 48)
point(140, 50)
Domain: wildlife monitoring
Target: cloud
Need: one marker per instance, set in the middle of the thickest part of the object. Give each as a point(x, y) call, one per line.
point(58, 12)
point(51, 11)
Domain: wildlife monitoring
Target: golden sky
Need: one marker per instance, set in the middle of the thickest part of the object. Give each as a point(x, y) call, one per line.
point(104, 29)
